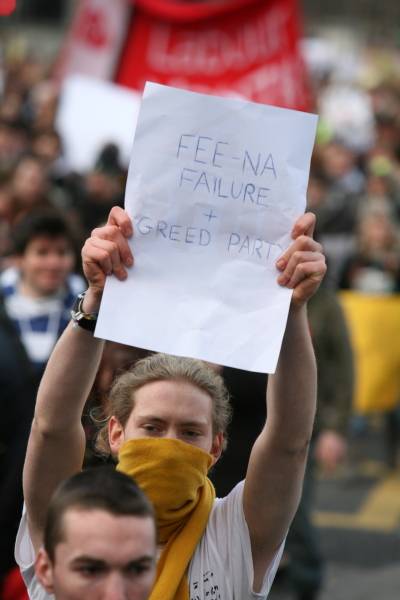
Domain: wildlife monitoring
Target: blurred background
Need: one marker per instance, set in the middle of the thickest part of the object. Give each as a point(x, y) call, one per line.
point(71, 76)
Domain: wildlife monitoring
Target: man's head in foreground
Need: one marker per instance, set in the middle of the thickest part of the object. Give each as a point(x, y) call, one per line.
point(99, 540)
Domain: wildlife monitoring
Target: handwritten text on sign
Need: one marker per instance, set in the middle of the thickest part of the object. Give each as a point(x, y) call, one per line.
point(213, 190)
point(205, 178)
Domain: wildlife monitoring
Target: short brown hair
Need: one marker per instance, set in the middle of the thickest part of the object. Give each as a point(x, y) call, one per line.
point(164, 367)
point(101, 488)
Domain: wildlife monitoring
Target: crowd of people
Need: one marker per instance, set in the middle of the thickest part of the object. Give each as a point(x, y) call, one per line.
point(46, 213)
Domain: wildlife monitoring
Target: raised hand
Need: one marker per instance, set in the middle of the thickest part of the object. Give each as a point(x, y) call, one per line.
point(107, 252)
point(303, 264)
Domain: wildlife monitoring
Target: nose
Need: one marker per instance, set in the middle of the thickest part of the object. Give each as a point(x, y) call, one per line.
point(54, 261)
point(115, 588)
point(172, 434)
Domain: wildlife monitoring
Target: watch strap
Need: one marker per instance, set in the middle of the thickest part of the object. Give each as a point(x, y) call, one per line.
point(84, 320)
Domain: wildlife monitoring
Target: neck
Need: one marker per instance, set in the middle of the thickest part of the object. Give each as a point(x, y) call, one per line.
point(31, 291)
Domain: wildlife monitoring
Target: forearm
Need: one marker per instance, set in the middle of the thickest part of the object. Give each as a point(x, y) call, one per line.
point(57, 441)
point(291, 394)
point(68, 378)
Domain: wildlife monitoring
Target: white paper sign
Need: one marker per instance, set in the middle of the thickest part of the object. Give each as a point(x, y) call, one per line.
point(214, 188)
point(93, 113)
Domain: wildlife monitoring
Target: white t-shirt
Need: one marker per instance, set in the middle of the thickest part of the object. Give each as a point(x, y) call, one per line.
point(221, 567)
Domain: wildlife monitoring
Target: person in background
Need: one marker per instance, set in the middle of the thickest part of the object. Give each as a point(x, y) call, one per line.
point(101, 188)
point(339, 164)
point(374, 266)
point(17, 385)
point(36, 292)
point(42, 104)
point(14, 143)
point(374, 269)
point(39, 289)
point(47, 146)
point(29, 187)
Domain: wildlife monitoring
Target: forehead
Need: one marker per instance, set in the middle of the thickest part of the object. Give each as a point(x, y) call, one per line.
point(99, 534)
point(48, 242)
point(28, 166)
point(176, 398)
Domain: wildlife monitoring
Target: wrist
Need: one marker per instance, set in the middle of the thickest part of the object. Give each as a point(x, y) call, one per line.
point(297, 326)
point(91, 301)
point(298, 311)
point(81, 316)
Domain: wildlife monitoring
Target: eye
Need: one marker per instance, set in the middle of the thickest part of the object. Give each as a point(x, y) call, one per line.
point(42, 252)
point(90, 570)
point(190, 433)
point(136, 569)
point(151, 429)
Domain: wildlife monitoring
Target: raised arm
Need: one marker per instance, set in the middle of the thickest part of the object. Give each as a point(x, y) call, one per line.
point(57, 441)
point(277, 462)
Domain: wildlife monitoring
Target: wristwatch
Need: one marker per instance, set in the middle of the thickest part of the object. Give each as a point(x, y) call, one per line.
point(85, 320)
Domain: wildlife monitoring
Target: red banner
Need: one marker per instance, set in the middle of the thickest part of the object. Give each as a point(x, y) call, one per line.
point(7, 7)
point(248, 48)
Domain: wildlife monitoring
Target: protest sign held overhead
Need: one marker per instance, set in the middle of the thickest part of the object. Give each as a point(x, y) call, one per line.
point(214, 188)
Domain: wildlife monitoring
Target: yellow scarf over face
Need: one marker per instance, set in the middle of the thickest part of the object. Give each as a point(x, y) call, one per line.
point(173, 475)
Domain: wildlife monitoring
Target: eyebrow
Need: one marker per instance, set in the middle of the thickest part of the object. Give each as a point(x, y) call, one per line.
point(99, 562)
point(141, 560)
point(88, 560)
point(155, 419)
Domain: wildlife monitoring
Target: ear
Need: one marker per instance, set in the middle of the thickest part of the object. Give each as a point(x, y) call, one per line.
point(44, 570)
point(116, 435)
point(217, 447)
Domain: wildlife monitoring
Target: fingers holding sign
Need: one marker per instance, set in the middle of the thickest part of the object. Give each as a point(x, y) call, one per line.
point(107, 250)
point(303, 264)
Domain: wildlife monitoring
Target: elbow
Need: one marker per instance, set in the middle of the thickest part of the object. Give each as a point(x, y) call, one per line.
point(298, 449)
point(46, 430)
point(293, 450)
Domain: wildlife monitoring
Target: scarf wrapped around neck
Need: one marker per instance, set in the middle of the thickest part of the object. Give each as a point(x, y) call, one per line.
point(173, 474)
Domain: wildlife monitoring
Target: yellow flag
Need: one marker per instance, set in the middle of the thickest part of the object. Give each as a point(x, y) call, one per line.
point(374, 324)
